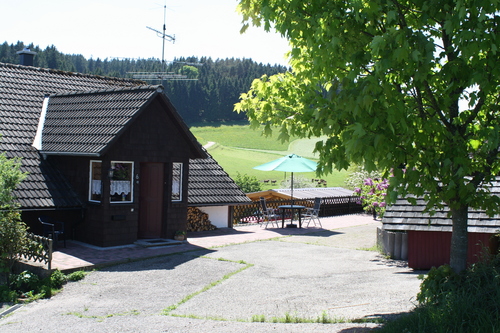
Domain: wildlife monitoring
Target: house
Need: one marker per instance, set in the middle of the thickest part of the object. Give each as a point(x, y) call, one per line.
point(109, 157)
point(212, 191)
point(427, 239)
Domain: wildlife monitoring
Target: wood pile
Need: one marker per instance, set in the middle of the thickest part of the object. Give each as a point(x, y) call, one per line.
point(198, 220)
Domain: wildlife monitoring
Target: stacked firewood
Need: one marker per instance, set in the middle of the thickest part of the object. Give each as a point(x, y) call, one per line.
point(198, 220)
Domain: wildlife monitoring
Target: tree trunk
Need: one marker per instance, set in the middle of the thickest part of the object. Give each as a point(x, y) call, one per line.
point(459, 238)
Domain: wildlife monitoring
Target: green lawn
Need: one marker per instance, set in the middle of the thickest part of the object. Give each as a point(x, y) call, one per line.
point(240, 148)
point(241, 136)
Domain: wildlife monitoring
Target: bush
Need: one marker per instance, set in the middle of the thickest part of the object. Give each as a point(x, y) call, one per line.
point(76, 276)
point(449, 302)
point(29, 286)
point(7, 295)
point(247, 184)
point(12, 238)
point(57, 279)
point(437, 286)
point(25, 282)
point(12, 229)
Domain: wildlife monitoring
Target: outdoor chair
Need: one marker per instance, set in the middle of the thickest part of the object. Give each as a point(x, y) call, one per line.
point(312, 214)
point(53, 230)
point(269, 214)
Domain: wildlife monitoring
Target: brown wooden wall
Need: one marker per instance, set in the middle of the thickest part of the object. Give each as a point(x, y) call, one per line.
point(427, 249)
point(152, 137)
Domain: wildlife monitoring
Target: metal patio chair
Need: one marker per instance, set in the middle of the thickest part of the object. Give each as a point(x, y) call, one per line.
point(53, 229)
point(312, 214)
point(270, 215)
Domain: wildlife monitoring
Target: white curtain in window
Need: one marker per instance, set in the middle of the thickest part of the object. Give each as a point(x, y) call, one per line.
point(120, 186)
point(96, 186)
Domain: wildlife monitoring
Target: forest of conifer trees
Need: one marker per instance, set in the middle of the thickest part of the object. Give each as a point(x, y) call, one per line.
point(208, 99)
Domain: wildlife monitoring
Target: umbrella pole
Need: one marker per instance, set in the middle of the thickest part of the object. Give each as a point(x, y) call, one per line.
point(292, 189)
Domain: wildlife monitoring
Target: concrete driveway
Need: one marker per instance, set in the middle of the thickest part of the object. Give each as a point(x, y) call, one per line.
point(323, 274)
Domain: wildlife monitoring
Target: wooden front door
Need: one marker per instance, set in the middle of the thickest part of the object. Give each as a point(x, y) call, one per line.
point(151, 200)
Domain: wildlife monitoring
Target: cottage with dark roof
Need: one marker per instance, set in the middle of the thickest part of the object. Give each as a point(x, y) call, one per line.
point(109, 157)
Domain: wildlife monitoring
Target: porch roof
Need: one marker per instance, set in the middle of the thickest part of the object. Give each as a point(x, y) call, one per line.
point(210, 185)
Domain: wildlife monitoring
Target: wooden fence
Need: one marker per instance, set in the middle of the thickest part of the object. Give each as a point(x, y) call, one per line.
point(39, 249)
point(330, 206)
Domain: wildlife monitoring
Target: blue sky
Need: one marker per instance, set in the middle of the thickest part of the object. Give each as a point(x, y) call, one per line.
point(117, 28)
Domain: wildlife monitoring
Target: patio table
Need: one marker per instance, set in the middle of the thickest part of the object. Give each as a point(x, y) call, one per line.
point(292, 208)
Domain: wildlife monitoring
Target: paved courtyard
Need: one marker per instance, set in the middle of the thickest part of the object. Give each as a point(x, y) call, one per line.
point(228, 280)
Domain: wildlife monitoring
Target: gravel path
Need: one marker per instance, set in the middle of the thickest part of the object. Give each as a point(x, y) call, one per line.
point(324, 274)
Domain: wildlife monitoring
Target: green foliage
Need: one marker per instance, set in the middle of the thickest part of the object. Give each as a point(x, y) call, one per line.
point(12, 229)
point(450, 302)
point(76, 276)
point(7, 295)
point(437, 285)
point(57, 279)
point(30, 287)
point(10, 177)
point(411, 83)
point(12, 238)
point(25, 282)
point(247, 184)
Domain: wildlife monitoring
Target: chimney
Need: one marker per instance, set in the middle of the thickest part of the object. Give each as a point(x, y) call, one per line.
point(26, 57)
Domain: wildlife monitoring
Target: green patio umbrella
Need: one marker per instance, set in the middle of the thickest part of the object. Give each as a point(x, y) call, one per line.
point(290, 163)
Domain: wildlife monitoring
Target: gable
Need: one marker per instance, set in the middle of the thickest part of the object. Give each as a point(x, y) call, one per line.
point(86, 123)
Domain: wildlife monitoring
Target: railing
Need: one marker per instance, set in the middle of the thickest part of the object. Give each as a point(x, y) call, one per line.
point(38, 249)
point(330, 206)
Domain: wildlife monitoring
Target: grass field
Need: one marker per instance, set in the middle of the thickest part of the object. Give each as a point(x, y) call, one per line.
point(239, 148)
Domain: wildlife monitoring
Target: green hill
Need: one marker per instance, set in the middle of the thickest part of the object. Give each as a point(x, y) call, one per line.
point(239, 148)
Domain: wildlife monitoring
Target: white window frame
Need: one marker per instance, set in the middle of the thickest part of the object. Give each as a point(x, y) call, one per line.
point(177, 182)
point(95, 184)
point(131, 185)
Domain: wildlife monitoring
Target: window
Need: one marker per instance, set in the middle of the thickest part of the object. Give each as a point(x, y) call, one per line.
point(121, 183)
point(95, 184)
point(176, 181)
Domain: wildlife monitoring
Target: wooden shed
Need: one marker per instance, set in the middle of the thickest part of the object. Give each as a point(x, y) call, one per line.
point(429, 237)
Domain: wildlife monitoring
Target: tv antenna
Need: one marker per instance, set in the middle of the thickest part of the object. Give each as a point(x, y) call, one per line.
point(163, 35)
point(153, 76)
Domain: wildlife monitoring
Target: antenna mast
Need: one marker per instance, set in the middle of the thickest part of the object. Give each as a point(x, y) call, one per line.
point(163, 35)
point(152, 76)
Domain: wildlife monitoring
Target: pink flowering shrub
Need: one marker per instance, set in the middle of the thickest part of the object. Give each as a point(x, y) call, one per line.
point(372, 195)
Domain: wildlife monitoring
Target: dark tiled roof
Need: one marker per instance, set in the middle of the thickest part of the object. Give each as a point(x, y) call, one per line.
point(22, 91)
point(405, 216)
point(210, 185)
point(86, 123)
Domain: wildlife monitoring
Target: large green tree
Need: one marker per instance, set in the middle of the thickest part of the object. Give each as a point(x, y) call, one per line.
point(407, 86)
